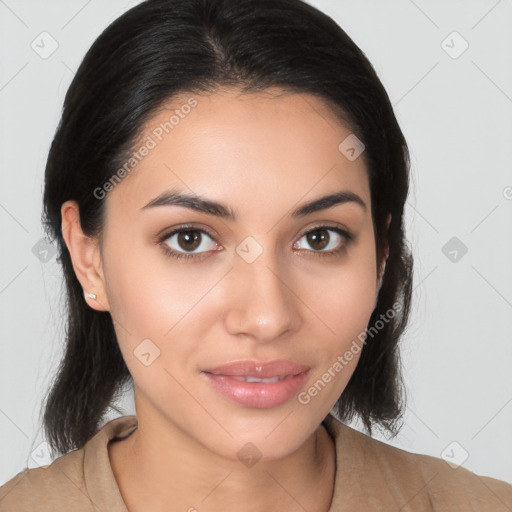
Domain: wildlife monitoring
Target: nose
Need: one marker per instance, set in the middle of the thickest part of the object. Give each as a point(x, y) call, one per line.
point(262, 304)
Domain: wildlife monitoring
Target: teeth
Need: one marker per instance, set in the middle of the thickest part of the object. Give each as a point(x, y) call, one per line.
point(256, 379)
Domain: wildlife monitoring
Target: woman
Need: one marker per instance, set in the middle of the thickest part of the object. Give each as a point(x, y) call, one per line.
point(227, 187)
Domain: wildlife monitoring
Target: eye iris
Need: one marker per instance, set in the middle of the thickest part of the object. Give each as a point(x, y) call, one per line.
point(186, 237)
point(314, 238)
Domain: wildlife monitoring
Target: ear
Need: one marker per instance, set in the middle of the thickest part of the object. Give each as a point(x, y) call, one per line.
point(383, 264)
point(85, 256)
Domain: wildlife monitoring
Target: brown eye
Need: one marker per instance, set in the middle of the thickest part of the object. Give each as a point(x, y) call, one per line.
point(188, 240)
point(184, 242)
point(326, 240)
point(318, 239)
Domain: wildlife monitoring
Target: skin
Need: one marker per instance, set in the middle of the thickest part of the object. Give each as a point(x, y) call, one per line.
point(263, 155)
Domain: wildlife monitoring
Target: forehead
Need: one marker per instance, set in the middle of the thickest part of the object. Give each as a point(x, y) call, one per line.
point(250, 150)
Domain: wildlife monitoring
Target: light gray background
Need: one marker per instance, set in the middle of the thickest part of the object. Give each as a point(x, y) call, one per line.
point(456, 114)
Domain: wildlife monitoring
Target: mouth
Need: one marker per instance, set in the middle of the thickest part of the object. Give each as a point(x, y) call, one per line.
point(258, 384)
point(256, 379)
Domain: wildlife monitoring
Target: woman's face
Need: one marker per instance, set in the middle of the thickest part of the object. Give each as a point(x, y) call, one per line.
point(256, 287)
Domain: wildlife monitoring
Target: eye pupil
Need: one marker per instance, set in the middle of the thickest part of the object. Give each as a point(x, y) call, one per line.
point(185, 237)
point(314, 238)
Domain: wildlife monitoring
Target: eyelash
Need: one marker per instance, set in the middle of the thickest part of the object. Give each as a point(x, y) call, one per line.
point(200, 256)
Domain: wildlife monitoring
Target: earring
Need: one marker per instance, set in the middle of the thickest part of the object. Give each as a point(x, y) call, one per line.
point(91, 295)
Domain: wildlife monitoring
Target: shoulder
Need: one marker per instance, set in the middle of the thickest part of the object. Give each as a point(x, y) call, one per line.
point(412, 478)
point(42, 488)
point(445, 484)
point(80, 480)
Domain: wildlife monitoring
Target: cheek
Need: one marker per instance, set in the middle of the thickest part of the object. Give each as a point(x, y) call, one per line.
point(346, 299)
point(154, 298)
point(344, 303)
point(148, 292)
point(345, 308)
point(351, 308)
point(347, 318)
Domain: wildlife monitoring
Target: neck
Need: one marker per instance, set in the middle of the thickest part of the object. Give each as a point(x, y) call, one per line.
point(156, 468)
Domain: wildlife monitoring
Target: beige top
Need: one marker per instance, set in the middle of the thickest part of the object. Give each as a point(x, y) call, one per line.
point(370, 476)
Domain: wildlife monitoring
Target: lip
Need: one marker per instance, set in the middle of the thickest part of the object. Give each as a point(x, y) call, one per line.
point(226, 379)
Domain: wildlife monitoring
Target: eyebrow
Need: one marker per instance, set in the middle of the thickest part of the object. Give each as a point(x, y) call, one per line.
point(193, 202)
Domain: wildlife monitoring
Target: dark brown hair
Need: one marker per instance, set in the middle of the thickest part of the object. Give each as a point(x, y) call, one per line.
point(161, 48)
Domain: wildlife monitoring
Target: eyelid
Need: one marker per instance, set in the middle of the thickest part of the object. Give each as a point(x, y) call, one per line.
point(324, 224)
point(165, 233)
